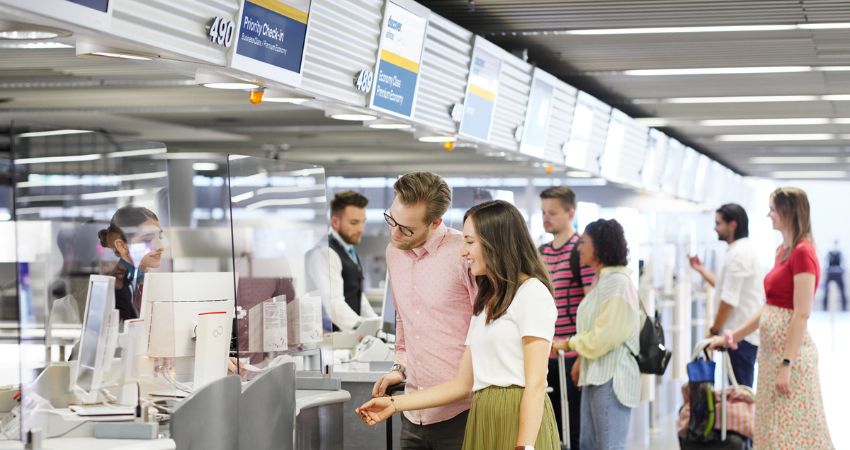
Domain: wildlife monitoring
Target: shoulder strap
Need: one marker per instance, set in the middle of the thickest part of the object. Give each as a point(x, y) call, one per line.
point(575, 264)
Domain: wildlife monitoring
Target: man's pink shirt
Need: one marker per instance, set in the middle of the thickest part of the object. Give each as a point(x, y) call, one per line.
point(433, 293)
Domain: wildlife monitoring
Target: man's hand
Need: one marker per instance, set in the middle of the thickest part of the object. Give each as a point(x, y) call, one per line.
point(696, 264)
point(380, 388)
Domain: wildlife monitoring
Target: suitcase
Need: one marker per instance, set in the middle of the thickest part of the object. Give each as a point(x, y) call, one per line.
point(565, 403)
point(728, 440)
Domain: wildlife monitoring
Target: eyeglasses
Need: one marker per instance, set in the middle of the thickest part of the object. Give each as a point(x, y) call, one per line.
point(406, 231)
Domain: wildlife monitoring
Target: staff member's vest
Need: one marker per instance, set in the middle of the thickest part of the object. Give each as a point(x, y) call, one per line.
point(352, 277)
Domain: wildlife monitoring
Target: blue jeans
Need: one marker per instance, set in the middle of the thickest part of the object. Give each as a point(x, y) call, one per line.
point(604, 420)
point(743, 362)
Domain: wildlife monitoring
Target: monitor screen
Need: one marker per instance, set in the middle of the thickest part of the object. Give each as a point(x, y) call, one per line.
point(388, 310)
point(93, 339)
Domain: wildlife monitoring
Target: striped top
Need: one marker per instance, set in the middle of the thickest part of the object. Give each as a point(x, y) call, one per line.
point(568, 292)
point(607, 338)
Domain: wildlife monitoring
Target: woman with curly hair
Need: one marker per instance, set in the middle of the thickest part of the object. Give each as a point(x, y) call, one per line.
point(606, 340)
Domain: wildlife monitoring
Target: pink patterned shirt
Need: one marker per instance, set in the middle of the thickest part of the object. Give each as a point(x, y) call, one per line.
point(433, 294)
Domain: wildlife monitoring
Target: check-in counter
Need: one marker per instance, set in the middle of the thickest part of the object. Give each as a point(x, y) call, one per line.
point(358, 379)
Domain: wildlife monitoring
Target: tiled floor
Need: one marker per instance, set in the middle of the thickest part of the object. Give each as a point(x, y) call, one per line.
point(832, 337)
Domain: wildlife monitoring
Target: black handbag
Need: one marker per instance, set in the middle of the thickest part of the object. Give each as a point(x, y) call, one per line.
point(654, 355)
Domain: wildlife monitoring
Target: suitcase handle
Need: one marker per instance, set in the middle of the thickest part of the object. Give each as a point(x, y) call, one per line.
point(565, 404)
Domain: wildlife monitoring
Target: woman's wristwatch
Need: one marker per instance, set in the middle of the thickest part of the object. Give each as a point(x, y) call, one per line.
point(524, 447)
point(786, 362)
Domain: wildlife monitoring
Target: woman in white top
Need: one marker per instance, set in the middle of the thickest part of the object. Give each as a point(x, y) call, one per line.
point(607, 340)
point(508, 342)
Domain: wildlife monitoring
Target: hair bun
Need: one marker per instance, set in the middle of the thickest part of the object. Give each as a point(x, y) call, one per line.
point(102, 234)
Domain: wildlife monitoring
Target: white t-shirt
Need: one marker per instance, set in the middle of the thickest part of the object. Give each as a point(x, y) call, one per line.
point(497, 356)
point(740, 285)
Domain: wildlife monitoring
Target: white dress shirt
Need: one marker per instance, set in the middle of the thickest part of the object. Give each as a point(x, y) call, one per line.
point(324, 274)
point(739, 285)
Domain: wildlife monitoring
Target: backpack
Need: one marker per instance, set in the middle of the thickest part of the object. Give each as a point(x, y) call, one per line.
point(654, 355)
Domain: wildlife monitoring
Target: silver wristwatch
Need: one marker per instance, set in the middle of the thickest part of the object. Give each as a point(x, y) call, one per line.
point(398, 368)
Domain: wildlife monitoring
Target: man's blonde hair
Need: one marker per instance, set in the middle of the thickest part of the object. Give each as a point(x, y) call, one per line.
point(424, 187)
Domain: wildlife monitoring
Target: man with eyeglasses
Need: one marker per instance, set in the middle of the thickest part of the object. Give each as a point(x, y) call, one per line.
point(433, 293)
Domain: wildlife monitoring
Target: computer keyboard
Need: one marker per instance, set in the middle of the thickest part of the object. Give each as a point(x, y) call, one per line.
point(102, 410)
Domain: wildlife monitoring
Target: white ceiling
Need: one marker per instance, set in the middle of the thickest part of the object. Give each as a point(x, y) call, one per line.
point(595, 63)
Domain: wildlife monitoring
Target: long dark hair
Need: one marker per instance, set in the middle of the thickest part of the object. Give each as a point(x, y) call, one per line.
point(127, 217)
point(509, 252)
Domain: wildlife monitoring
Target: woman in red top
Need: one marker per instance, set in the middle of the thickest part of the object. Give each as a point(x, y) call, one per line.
point(789, 406)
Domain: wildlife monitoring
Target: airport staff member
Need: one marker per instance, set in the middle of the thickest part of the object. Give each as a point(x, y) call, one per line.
point(342, 299)
point(434, 293)
point(738, 289)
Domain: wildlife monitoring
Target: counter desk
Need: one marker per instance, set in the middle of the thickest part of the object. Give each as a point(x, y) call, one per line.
point(359, 379)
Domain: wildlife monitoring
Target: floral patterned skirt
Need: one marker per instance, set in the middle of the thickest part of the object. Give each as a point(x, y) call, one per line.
point(797, 420)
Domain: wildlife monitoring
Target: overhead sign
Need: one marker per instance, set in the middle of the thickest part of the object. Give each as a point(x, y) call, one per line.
point(97, 5)
point(270, 39)
point(609, 165)
point(399, 58)
point(482, 88)
point(94, 14)
point(536, 127)
point(576, 148)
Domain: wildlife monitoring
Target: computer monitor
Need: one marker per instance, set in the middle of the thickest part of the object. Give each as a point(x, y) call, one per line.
point(388, 308)
point(171, 303)
point(99, 337)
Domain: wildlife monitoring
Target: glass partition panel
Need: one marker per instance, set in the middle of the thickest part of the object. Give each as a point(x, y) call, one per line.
point(88, 211)
point(279, 213)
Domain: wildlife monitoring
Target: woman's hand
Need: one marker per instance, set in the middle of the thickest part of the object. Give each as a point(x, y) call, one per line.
point(560, 344)
point(727, 340)
point(376, 410)
point(575, 371)
point(783, 380)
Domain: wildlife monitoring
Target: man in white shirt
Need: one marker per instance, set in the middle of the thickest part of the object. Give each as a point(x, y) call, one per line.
point(739, 291)
point(334, 258)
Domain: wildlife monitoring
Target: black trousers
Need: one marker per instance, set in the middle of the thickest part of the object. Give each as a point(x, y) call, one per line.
point(838, 278)
point(445, 435)
point(573, 396)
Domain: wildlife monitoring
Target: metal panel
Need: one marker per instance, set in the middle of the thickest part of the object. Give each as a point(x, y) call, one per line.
point(560, 122)
point(653, 166)
point(175, 26)
point(635, 142)
point(598, 135)
point(511, 102)
point(688, 169)
point(342, 39)
point(445, 69)
point(672, 167)
point(588, 133)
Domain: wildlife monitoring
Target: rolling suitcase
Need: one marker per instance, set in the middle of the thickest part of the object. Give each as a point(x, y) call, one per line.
point(565, 403)
point(726, 441)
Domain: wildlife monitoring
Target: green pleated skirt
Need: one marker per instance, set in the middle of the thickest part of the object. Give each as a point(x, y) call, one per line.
point(493, 421)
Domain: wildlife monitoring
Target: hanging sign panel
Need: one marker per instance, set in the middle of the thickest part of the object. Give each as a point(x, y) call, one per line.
point(95, 14)
point(577, 147)
point(481, 91)
point(97, 5)
point(536, 126)
point(270, 39)
point(399, 58)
